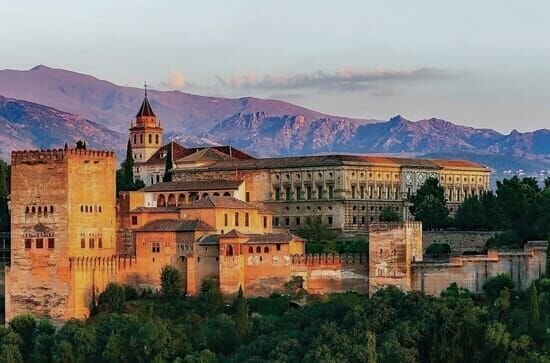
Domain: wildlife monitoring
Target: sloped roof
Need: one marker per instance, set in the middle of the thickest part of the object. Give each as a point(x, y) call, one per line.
point(175, 225)
point(208, 154)
point(337, 160)
point(194, 185)
point(234, 234)
point(223, 202)
point(167, 209)
point(263, 238)
point(213, 239)
point(145, 110)
point(157, 158)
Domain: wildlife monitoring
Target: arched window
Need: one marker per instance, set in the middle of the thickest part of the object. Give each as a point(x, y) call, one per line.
point(27, 209)
point(45, 210)
point(135, 139)
point(250, 250)
point(39, 209)
point(157, 139)
point(99, 209)
point(258, 249)
point(229, 250)
point(33, 209)
point(82, 243)
point(51, 208)
point(141, 138)
point(91, 210)
point(193, 197)
point(150, 139)
point(226, 194)
point(161, 201)
point(171, 200)
point(216, 194)
point(181, 199)
point(86, 209)
point(82, 208)
point(266, 249)
point(204, 195)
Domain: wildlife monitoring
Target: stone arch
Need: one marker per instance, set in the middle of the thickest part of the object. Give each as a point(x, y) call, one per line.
point(229, 250)
point(216, 194)
point(204, 195)
point(171, 200)
point(181, 199)
point(150, 138)
point(193, 197)
point(226, 194)
point(266, 249)
point(161, 201)
point(157, 139)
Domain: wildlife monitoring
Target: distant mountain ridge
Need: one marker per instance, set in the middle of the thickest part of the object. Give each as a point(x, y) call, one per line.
point(100, 112)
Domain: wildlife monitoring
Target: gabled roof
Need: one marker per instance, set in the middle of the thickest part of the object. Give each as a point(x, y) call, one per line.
point(175, 225)
point(208, 154)
point(145, 110)
point(213, 239)
point(234, 234)
point(224, 202)
point(159, 157)
point(285, 237)
point(195, 185)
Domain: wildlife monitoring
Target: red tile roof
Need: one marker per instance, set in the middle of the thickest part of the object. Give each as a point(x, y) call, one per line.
point(175, 225)
point(224, 202)
point(195, 185)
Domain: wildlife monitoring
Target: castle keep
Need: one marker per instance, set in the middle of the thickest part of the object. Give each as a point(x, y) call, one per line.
point(227, 217)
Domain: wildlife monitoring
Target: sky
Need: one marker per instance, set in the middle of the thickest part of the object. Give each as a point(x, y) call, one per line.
point(476, 63)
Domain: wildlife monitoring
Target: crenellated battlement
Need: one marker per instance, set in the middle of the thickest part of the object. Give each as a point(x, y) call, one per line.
point(340, 259)
point(55, 155)
point(387, 226)
point(115, 261)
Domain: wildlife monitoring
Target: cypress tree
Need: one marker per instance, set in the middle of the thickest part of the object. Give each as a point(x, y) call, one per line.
point(128, 166)
point(371, 347)
point(534, 307)
point(4, 191)
point(242, 322)
point(169, 165)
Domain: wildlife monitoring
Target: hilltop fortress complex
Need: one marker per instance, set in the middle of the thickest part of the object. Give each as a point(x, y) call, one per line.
point(229, 217)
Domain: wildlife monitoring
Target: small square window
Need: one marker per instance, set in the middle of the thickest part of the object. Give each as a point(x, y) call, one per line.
point(39, 243)
point(51, 243)
point(28, 243)
point(134, 220)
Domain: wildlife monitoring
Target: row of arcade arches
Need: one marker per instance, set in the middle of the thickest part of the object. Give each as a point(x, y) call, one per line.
point(183, 198)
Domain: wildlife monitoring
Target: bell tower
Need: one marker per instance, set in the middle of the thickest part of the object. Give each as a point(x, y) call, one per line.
point(145, 133)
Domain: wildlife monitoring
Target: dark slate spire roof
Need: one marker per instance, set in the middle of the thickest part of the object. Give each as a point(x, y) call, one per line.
point(145, 109)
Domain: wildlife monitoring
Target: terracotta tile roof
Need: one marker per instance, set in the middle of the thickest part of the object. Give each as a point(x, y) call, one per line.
point(263, 238)
point(209, 240)
point(208, 154)
point(168, 209)
point(195, 185)
point(335, 160)
point(456, 163)
point(234, 234)
point(175, 225)
point(159, 157)
point(223, 202)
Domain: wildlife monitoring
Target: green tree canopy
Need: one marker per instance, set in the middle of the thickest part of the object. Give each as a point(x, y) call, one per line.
point(429, 205)
point(170, 281)
point(470, 214)
point(388, 214)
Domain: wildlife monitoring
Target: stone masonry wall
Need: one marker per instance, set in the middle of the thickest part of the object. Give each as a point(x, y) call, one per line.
point(460, 241)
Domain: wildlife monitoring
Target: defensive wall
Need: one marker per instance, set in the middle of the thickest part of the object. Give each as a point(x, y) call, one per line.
point(459, 241)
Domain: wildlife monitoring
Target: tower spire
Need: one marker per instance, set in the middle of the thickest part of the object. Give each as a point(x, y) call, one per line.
point(145, 86)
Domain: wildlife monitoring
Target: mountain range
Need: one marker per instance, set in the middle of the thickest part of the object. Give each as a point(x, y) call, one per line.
point(100, 112)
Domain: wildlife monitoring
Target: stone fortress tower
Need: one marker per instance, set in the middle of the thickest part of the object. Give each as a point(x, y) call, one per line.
point(63, 230)
point(146, 133)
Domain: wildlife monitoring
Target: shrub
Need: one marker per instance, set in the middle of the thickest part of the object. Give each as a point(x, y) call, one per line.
point(438, 249)
point(170, 282)
point(494, 285)
point(113, 297)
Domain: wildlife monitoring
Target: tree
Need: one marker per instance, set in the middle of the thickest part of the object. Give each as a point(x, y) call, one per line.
point(210, 296)
point(242, 322)
point(125, 175)
point(494, 285)
point(388, 214)
point(43, 340)
point(371, 347)
point(534, 312)
point(429, 205)
point(315, 231)
point(169, 165)
point(10, 353)
point(470, 214)
point(24, 326)
point(170, 281)
point(113, 297)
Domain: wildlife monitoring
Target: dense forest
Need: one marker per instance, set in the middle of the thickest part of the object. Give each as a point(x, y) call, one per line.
point(505, 325)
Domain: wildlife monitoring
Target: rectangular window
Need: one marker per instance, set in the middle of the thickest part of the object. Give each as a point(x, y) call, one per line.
point(246, 219)
point(28, 243)
point(277, 194)
point(308, 192)
point(287, 193)
point(92, 243)
point(134, 221)
point(363, 220)
point(100, 242)
point(51, 243)
point(297, 221)
point(353, 191)
point(354, 220)
point(82, 243)
point(236, 219)
point(275, 221)
point(39, 243)
point(298, 193)
point(330, 192)
point(278, 246)
point(362, 192)
point(329, 220)
point(225, 220)
point(155, 247)
point(320, 192)
point(287, 221)
point(265, 222)
point(247, 198)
